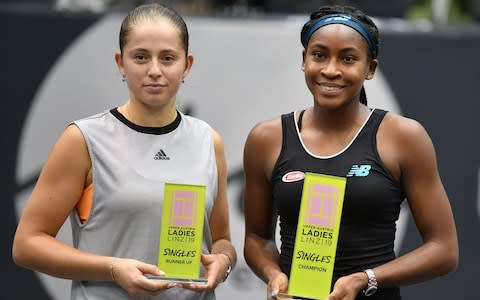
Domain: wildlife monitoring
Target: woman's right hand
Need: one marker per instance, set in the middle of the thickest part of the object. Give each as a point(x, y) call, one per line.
point(130, 275)
point(277, 284)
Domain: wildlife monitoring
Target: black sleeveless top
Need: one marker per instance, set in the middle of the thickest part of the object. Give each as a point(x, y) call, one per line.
point(371, 203)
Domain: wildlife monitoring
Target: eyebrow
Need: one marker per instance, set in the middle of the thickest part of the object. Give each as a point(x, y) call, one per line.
point(169, 50)
point(323, 47)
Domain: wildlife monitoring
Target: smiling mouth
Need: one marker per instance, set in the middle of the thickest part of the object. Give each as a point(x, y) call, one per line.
point(328, 87)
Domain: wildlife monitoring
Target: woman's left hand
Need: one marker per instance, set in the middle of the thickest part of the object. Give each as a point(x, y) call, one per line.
point(215, 267)
point(348, 287)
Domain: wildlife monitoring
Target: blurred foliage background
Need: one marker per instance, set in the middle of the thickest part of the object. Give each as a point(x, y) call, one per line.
point(436, 11)
point(459, 11)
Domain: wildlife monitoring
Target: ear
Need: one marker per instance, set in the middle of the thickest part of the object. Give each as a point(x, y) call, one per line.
point(371, 69)
point(188, 64)
point(119, 62)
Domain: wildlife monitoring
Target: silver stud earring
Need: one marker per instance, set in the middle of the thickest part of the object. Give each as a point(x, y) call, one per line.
point(124, 78)
point(183, 79)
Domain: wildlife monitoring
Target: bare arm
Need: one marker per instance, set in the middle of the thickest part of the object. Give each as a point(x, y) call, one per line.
point(223, 252)
point(430, 208)
point(408, 152)
point(219, 220)
point(54, 197)
point(261, 151)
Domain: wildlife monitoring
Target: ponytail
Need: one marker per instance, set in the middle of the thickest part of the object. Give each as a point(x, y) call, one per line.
point(363, 96)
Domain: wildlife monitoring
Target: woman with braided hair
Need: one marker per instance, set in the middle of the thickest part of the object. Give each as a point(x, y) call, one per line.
point(385, 158)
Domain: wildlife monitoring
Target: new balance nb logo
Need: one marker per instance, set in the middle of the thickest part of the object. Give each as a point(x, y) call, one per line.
point(161, 156)
point(360, 171)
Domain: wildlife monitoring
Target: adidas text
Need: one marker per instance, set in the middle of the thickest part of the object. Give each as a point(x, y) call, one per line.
point(160, 155)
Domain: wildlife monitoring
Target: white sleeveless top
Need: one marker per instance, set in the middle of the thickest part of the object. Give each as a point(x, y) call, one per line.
point(130, 166)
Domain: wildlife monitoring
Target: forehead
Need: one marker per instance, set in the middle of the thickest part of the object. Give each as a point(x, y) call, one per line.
point(338, 34)
point(157, 30)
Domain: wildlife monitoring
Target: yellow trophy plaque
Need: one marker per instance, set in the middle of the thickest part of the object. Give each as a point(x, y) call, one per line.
point(316, 239)
point(181, 234)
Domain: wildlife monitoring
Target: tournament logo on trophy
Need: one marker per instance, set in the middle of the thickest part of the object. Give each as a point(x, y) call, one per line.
point(317, 236)
point(181, 234)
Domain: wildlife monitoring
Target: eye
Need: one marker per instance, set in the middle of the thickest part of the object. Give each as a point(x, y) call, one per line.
point(168, 58)
point(349, 59)
point(140, 57)
point(319, 55)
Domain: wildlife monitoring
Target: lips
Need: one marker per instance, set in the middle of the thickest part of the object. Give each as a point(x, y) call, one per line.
point(330, 88)
point(155, 87)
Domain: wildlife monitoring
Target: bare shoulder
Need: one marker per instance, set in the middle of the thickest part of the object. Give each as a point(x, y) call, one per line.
point(266, 132)
point(70, 152)
point(263, 147)
point(402, 129)
point(401, 140)
point(71, 141)
point(217, 140)
point(404, 144)
point(74, 135)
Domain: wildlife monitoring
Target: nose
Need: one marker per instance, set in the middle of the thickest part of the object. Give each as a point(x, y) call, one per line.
point(155, 69)
point(331, 68)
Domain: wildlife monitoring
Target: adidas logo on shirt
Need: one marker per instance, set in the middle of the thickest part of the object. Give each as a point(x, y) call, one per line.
point(160, 155)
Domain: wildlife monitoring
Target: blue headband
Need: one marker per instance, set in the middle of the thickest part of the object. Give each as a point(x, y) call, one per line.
point(345, 20)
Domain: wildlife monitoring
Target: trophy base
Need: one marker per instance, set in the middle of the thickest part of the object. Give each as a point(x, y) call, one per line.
point(198, 281)
point(285, 296)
